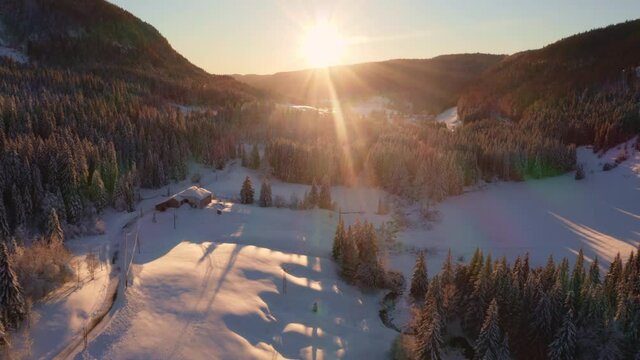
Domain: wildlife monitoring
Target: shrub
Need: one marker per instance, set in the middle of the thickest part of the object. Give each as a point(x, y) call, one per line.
point(41, 268)
point(195, 178)
point(579, 172)
point(279, 201)
point(609, 166)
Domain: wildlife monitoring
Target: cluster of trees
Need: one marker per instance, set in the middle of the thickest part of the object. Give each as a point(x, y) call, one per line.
point(419, 161)
point(355, 250)
point(548, 312)
point(320, 198)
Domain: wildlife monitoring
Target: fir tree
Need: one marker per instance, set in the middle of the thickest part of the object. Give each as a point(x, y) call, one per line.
point(244, 162)
point(349, 263)
point(419, 280)
point(594, 272)
point(578, 274)
point(265, 194)
point(255, 157)
point(490, 343)
point(4, 223)
point(339, 241)
point(97, 192)
point(563, 346)
point(429, 335)
point(246, 193)
point(12, 303)
point(313, 194)
point(55, 235)
point(324, 198)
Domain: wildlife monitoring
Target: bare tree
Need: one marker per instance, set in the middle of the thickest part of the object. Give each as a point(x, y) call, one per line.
point(92, 262)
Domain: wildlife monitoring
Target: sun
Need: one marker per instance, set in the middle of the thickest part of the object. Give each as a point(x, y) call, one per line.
point(322, 45)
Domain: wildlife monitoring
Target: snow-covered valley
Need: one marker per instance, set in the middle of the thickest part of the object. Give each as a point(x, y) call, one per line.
point(243, 283)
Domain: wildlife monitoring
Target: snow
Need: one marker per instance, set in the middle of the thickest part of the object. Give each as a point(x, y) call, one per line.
point(13, 54)
point(450, 118)
point(213, 287)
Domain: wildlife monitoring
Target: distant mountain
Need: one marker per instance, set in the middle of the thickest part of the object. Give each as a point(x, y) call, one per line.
point(427, 84)
point(589, 74)
point(97, 36)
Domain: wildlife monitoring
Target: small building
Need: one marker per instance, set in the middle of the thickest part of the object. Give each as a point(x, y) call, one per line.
point(195, 196)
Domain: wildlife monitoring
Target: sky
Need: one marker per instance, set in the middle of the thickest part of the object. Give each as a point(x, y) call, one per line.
point(268, 36)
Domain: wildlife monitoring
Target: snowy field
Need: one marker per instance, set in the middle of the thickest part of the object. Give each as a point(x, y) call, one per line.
point(241, 285)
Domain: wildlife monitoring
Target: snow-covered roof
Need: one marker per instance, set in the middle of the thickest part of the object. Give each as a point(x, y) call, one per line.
point(193, 192)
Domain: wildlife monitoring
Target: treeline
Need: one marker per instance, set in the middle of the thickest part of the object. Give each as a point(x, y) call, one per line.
point(505, 311)
point(78, 142)
point(415, 160)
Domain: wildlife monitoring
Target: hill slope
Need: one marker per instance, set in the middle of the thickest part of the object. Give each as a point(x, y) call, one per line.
point(584, 87)
point(100, 37)
point(428, 84)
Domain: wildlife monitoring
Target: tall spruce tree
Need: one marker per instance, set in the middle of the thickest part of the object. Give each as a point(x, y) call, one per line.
point(429, 334)
point(265, 194)
point(246, 193)
point(349, 264)
point(5, 233)
point(12, 303)
point(324, 198)
point(339, 241)
point(55, 235)
point(313, 194)
point(255, 157)
point(563, 346)
point(491, 343)
point(419, 280)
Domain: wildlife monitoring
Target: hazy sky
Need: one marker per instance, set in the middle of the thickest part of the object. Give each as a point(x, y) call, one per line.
point(265, 36)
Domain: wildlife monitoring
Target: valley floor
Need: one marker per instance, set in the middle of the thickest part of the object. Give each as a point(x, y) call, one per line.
point(243, 284)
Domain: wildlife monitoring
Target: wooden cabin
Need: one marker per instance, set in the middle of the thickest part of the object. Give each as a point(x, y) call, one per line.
point(195, 196)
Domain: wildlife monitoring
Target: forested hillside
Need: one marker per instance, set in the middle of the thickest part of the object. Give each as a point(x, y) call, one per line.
point(584, 89)
point(92, 115)
point(429, 85)
point(98, 37)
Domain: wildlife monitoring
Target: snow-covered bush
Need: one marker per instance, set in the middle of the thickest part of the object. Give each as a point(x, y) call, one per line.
point(41, 268)
point(195, 178)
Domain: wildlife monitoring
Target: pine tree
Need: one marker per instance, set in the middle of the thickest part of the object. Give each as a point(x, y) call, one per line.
point(55, 235)
point(265, 194)
point(97, 192)
point(349, 264)
point(490, 343)
point(578, 274)
point(324, 199)
point(20, 216)
point(563, 346)
point(429, 339)
point(594, 272)
point(4, 223)
point(255, 157)
point(313, 195)
point(419, 280)
point(244, 162)
point(12, 303)
point(246, 193)
point(339, 241)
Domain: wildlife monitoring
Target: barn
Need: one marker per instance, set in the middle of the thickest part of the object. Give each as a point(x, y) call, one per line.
point(195, 196)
